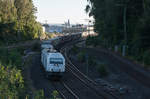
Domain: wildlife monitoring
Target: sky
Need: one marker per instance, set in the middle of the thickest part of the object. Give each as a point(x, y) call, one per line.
point(59, 11)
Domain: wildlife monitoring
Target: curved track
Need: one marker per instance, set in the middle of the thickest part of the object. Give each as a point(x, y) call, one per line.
point(64, 90)
point(76, 86)
point(89, 83)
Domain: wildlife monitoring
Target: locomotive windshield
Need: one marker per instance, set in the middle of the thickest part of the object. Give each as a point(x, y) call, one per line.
point(56, 61)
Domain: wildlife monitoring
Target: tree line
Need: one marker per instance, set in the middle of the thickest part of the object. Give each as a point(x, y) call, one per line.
point(17, 21)
point(123, 22)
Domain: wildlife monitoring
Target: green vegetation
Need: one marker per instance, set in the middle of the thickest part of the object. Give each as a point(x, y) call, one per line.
point(122, 22)
point(91, 40)
point(17, 21)
point(92, 61)
point(50, 35)
point(102, 70)
point(55, 95)
point(11, 79)
point(39, 94)
point(146, 59)
point(11, 82)
point(74, 49)
point(81, 56)
point(12, 85)
point(11, 57)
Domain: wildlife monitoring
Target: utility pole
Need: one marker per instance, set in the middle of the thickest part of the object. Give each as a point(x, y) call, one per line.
point(125, 30)
point(144, 6)
point(87, 65)
point(125, 26)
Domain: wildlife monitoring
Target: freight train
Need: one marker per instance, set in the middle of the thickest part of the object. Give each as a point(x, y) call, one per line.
point(52, 60)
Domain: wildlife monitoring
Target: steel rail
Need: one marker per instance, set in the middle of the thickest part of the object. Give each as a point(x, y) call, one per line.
point(72, 66)
point(70, 90)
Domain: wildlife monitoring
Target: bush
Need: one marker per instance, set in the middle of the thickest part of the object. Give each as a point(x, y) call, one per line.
point(3, 55)
point(13, 57)
point(92, 61)
point(21, 50)
point(50, 35)
point(91, 40)
point(1, 43)
point(39, 94)
point(74, 49)
point(11, 82)
point(55, 95)
point(102, 70)
point(81, 56)
point(146, 57)
point(36, 47)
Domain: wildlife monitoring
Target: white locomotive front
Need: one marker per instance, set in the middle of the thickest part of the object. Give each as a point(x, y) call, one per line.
point(53, 62)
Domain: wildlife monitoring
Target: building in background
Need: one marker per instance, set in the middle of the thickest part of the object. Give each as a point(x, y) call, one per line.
point(43, 29)
point(67, 27)
point(89, 31)
point(55, 29)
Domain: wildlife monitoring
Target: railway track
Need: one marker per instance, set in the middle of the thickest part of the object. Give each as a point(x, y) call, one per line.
point(98, 89)
point(64, 90)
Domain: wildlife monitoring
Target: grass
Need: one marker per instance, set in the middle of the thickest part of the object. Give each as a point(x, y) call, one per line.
point(146, 58)
point(74, 49)
point(92, 61)
point(102, 70)
point(81, 56)
point(13, 57)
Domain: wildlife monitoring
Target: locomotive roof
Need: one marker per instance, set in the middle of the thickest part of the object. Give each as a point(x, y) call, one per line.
point(52, 53)
point(47, 46)
point(56, 55)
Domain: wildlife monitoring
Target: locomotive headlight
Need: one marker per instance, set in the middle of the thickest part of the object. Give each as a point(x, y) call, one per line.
point(55, 64)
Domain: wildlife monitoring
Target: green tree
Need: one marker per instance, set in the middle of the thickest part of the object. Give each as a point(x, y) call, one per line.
point(11, 82)
point(122, 21)
point(17, 21)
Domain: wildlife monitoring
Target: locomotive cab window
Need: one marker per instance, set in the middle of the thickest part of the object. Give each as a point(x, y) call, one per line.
point(56, 61)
